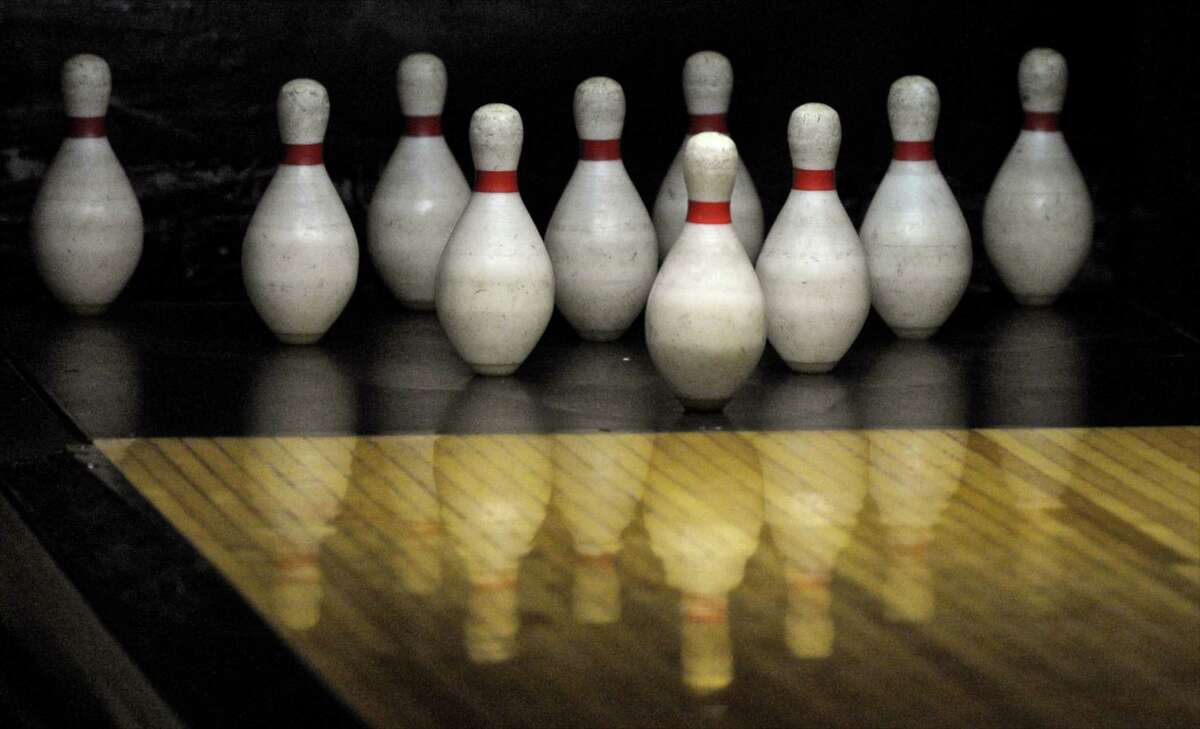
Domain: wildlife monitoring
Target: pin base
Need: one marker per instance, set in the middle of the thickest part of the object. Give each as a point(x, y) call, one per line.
point(86, 309)
point(811, 368)
point(594, 335)
point(704, 406)
point(1035, 299)
point(494, 370)
point(298, 338)
point(914, 332)
point(418, 305)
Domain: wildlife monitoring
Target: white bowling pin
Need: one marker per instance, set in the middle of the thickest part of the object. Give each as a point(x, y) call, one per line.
point(495, 283)
point(813, 268)
point(707, 86)
point(300, 255)
point(422, 191)
point(917, 242)
point(1037, 221)
point(705, 322)
point(86, 223)
point(601, 239)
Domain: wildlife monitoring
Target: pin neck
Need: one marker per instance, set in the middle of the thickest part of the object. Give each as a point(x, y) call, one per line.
point(812, 179)
point(698, 123)
point(703, 609)
point(86, 126)
point(808, 581)
point(595, 561)
point(304, 154)
point(708, 213)
point(495, 181)
point(916, 549)
point(599, 149)
point(913, 151)
point(1041, 121)
point(423, 126)
point(499, 584)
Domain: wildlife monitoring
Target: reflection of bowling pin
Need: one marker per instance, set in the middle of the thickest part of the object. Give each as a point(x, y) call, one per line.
point(1034, 532)
point(600, 237)
point(493, 492)
point(93, 368)
point(86, 223)
point(301, 390)
point(394, 489)
point(602, 386)
point(707, 86)
point(917, 242)
point(422, 191)
point(813, 268)
point(298, 490)
point(300, 256)
point(703, 512)
point(814, 484)
point(1039, 372)
point(1037, 220)
point(705, 321)
point(598, 483)
point(913, 473)
point(495, 284)
point(814, 401)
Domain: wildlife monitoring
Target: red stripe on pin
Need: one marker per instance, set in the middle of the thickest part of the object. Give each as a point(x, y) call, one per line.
point(86, 126)
point(812, 179)
point(423, 126)
point(707, 123)
point(496, 181)
point(912, 151)
point(1041, 121)
point(303, 154)
point(599, 149)
point(708, 213)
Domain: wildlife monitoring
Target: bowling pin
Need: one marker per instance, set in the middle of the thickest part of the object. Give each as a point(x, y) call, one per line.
point(917, 242)
point(495, 284)
point(422, 191)
point(1037, 220)
point(705, 322)
point(86, 223)
point(601, 239)
point(300, 255)
point(707, 86)
point(813, 268)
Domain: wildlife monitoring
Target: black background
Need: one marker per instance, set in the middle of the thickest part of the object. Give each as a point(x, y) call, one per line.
point(195, 83)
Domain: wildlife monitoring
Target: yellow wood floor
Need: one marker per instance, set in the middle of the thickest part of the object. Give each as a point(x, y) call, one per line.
point(937, 577)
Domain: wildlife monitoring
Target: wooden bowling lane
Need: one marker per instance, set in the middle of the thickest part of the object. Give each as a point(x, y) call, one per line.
point(739, 578)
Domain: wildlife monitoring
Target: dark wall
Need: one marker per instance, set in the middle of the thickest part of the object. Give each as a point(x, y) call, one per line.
point(195, 83)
